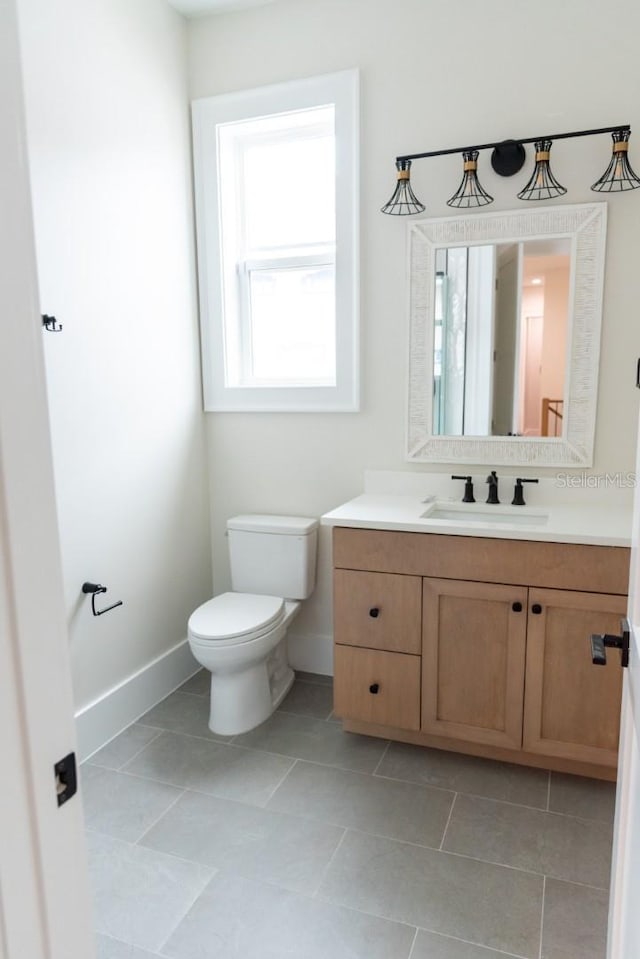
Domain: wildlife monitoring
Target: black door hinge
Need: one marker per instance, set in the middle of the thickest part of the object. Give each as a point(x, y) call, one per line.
point(66, 778)
point(50, 323)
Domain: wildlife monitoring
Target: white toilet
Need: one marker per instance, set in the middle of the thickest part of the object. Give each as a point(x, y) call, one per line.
point(240, 637)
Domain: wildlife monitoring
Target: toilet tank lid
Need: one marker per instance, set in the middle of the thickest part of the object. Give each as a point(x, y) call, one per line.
point(283, 525)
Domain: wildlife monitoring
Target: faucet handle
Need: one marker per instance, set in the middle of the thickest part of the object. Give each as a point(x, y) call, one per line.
point(518, 498)
point(468, 488)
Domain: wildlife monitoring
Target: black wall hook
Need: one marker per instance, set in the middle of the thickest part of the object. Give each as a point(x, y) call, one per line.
point(50, 324)
point(95, 589)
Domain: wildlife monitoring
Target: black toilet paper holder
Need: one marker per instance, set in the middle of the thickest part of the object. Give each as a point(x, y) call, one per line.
point(95, 589)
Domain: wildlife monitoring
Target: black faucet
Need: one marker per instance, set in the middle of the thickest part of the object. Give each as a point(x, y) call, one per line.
point(518, 498)
point(468, 488)
point(492, 480)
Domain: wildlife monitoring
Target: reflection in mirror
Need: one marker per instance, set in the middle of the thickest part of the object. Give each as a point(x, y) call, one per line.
point(500, 338)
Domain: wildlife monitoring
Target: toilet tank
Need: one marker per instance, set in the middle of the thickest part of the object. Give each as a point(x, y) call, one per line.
point(275, 555)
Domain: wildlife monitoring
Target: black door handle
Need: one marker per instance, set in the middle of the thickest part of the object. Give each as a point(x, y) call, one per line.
point(374, 612)
point(374, 688)
point(599, 642)
point(516, 607)
point(536, 608)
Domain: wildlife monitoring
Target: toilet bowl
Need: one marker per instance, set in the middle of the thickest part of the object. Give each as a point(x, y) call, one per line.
point(240, 636)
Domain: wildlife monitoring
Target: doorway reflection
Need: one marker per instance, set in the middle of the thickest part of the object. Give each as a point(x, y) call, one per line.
point(500, 338)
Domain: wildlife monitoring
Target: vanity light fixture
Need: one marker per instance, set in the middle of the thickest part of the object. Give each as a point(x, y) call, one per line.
point(542, 185)
point(470, 192)
point(404, 201)
point(507, 159)
point(618, 175)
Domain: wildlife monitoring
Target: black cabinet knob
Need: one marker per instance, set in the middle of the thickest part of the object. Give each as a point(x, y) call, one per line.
point(374, 612)
point(374, 687)
point(516, 607)
point(536, 608)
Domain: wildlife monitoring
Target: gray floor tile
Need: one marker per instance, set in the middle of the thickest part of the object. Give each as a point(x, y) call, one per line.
point(309, 699)
point(199, 684)
point(247, 841)
point(315, 740)
point(475, 901)
point(122, 806)
point(575, 922)
point(560, 846)
point(140, 895)
point(216, 768)
point(429, 945)
point(108, 948)
point(239, 919)
point(121, 749)
point(587, 798)
point(380, 806)
point(183, 713)
point(466, 774)
point(317, 678)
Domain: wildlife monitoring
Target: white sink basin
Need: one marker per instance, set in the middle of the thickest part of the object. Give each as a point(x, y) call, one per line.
point(482, 514)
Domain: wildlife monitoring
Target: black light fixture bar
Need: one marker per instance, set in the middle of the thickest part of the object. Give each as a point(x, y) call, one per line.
point(623, 127)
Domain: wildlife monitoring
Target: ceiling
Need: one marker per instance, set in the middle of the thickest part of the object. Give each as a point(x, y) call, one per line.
point(199, 8)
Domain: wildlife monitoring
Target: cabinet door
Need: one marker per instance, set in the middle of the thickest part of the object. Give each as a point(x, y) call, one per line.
point(572, 708)
point(377, 687)
point(473, 656)
point(377, 610)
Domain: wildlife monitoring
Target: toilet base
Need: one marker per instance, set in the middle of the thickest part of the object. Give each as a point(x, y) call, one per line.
point(243, 700)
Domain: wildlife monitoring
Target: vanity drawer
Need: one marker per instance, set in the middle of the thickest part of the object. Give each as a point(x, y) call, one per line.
point(572, 566)
point(377, 687)
point(377, 610)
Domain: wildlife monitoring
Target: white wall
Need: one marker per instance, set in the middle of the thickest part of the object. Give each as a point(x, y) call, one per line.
point(434, 75)
point(107, 116)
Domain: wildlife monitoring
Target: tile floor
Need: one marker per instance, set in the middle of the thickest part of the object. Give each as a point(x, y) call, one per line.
point(299, 841)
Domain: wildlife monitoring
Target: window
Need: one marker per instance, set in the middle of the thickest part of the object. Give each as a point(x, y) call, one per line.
point(277, 212)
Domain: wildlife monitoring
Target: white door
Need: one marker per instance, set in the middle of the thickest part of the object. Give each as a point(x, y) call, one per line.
point(44, 898)
point(624, 910)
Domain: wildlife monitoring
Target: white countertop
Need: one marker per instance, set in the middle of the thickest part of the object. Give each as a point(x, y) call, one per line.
point(597, 523)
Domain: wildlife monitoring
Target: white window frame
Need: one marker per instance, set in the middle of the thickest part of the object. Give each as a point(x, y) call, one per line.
point(342, 90)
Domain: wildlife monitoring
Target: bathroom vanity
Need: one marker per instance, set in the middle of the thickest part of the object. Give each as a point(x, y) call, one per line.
point(473, 637)
point(465, 625)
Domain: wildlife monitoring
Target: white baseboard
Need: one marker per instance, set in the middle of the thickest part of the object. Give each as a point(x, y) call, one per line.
point(311, 652)
point(120, 706)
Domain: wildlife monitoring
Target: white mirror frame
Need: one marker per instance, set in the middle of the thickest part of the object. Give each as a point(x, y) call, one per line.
point(585, 225)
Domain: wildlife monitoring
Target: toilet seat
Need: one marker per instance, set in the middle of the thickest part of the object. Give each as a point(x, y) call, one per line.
point(233, 618)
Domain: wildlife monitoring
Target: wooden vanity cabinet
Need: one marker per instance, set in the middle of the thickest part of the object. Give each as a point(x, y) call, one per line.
point(480, 645)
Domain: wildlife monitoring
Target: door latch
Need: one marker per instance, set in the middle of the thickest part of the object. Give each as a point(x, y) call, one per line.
point(66, 778)
point(600, 642)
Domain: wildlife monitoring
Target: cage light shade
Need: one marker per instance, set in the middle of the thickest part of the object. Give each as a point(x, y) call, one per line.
point(404, 202)
point(542, 185)
point(618, 176)
point(470, 192)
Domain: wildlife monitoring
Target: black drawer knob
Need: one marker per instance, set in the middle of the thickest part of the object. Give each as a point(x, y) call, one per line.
point(374, 687)
point(374, 612)
point(516, 607)
point(536, 608)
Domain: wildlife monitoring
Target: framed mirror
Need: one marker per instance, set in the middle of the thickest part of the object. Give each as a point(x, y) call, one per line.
point(505, 319)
